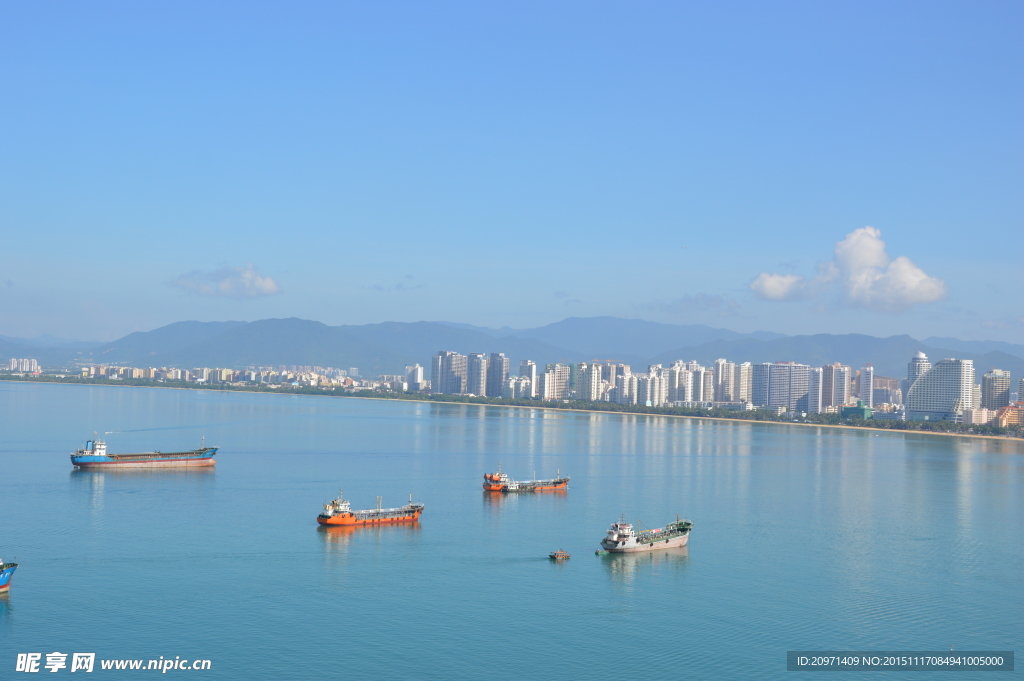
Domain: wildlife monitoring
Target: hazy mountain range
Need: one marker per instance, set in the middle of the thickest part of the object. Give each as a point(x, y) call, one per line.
point(389, 347)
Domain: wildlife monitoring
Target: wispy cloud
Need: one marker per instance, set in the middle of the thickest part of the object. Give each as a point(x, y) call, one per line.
point(865, 275)
point(703, 303)
point(228, 282)
point(397, 288)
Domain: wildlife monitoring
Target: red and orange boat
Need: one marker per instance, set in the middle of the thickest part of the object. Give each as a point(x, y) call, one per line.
point(500, 482)
point(339, 512)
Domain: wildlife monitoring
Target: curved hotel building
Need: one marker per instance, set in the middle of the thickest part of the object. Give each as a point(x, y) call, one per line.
point(940, 392)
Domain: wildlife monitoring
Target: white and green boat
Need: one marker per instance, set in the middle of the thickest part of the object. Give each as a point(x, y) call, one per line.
point(622, 538)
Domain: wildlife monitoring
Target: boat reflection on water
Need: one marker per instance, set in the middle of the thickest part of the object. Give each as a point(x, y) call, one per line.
point(95, 482)
point(625, 567)
point(138, 473)
point(337, 537)
point(498, 501)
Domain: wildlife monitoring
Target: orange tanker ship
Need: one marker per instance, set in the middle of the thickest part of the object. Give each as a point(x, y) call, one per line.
point(500, 482)
point(339, 512)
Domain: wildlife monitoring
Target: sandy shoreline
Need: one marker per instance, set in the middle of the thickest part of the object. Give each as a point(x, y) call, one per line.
point(555, 409)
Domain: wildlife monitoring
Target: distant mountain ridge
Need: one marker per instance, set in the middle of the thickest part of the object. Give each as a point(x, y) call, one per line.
point(390, 346)
point(633, 337)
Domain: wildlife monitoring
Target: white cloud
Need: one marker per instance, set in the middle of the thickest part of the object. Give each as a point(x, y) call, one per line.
point(779, 286)
point(229, 282)
point(865, 274)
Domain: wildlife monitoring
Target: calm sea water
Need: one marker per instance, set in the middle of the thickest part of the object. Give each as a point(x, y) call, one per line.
point(805, 538)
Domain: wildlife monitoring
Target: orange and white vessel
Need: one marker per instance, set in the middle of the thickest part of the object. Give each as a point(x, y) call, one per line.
point(339, 512)
point(500, 482)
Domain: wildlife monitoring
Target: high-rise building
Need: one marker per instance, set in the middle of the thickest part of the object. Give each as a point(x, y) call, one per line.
point(708, 385)
point(759, 379)
point(680, 386)
point(916, 368)
point(589, 383)
point(528, 369)
point(497, 372)
point(942, 392)
point(741, 382)
point(517, 387)
point(652, 387)
point(886, 395)
point(788, 385)
point(835, 385)
point(724, 371)
point(448, 373)
point(867, 386)
point(610, 371)
point(559, 382)
point(546, 386)
point(476, 374)
point(815, 378)
point(414, 377)
point(625, 390)
point(995, 389)
point(29, 365)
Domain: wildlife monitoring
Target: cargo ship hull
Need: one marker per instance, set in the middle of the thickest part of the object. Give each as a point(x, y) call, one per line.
point(500, 482)
point(621, 537)
point(356, 518)
point(6, 574)
point(94, 455)
point(339, 513)
point(653, 545)
point(199, 457)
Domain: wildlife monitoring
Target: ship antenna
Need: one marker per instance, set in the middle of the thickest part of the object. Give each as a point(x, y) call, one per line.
point(410, 498)
point(379, 503)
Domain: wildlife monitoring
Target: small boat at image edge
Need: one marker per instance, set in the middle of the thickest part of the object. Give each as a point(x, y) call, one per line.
point(95, 455)
point(339, 512)
point(622, 539)
point(6, 573)
point(500, 482)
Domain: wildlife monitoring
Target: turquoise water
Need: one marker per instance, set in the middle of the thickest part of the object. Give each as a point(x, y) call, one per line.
point(805, 538)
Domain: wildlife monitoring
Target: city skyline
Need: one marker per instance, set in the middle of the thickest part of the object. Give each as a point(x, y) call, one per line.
point(828, 171)
point(947, 390)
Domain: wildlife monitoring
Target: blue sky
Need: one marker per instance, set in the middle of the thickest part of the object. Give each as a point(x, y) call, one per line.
point(513, 163)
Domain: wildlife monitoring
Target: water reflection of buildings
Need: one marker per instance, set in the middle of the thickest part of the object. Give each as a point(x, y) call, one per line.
point(338, 538)
point(625, 567)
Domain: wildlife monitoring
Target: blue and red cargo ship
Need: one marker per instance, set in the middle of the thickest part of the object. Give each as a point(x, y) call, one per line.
point(94, 455)
point(6, 573)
